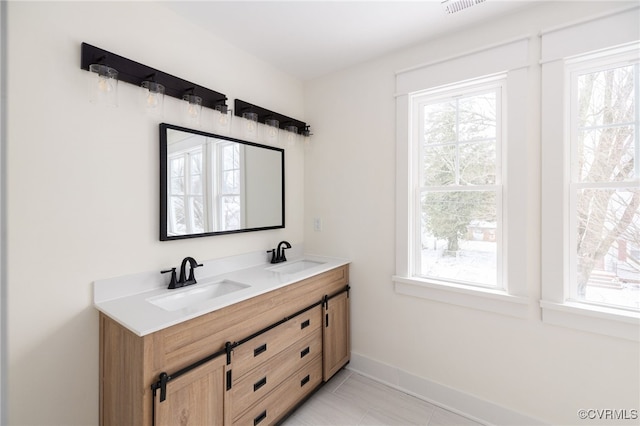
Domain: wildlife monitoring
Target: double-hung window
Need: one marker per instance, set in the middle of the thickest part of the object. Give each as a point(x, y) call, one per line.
point(590, 216)
point(604, 219)
point(463, 210)
point(457, 209)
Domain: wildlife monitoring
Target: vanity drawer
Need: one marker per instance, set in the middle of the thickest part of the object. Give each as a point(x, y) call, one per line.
point(271, 408)
point(265, 378)
point(261, 348)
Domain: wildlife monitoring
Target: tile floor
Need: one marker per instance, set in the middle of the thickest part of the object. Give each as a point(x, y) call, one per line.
point(352, 399)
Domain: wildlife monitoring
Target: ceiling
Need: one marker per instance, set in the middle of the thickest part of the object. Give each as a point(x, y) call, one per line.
point(308, 39)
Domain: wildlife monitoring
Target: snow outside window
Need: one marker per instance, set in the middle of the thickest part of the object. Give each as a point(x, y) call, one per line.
point(191, 175)
point(604, 226)
point(457, 211)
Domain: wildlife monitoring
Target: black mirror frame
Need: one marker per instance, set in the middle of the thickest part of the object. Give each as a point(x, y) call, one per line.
point(163, 184)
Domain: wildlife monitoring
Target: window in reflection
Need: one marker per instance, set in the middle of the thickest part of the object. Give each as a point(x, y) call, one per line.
point(188, 161)
point(229, 186)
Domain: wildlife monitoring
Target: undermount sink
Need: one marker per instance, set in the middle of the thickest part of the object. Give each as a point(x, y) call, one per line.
point(295, 266)
point(196, 295)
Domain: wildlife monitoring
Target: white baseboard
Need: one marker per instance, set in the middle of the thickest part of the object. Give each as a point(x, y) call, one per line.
point(470, 406)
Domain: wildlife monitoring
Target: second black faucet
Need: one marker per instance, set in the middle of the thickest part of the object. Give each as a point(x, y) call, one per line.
point(277, 254)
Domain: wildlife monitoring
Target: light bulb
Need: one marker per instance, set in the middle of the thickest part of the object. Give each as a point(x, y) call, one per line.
point(152, 100)
point(291, 134)
point(193, 110)
point(251, 123)
point(271, 130)
point(152, 97)
point(222, 123)
point(103, 85)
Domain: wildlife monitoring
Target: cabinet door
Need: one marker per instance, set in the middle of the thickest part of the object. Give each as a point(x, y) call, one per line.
point(336, 338)
point(194, 399)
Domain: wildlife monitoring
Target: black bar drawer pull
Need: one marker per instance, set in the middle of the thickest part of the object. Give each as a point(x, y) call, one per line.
point(260, 418)
point(260, 383)
point(304, 324)
point(304, 381)
point(257, 351)
point(304, 352)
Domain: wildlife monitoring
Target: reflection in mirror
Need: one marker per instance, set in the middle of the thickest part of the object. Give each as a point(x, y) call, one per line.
point(212, 184)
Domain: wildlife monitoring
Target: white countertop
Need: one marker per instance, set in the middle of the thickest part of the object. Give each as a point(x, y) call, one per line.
point(126, 299)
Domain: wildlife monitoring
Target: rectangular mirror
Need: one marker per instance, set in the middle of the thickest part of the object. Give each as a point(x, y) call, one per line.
point(212, 184)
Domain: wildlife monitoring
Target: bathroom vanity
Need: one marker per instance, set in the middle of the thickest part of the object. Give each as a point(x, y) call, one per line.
point(248, 357)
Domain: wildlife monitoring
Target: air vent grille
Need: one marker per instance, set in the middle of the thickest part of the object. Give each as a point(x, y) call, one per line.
point(458, 5)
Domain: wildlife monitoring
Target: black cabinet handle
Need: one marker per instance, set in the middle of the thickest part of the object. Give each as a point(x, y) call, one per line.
point(260, 383)
point(304, 352)
point(257, 351)
point(260, 418)
point(304, 324)
point(229, 379)
point(326, 320)
point(304, 381)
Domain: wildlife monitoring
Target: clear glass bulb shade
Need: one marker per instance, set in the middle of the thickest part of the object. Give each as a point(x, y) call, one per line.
point(222, 119)
point(291, 134)
point(103, 85)
point(192, 108)
point(271, 130)
point(152, 96)
point(250, 124)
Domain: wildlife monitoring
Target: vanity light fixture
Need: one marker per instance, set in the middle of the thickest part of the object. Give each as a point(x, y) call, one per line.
point(458, 5)
point(104, 64)
point(152, 96)
point(103, 84)
point(292, 127)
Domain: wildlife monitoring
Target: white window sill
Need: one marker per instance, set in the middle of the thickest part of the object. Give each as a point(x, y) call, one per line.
point(595, 319)
point(495, 301)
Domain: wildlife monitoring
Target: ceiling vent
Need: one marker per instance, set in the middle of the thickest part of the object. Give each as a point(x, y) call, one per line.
point(458, 5)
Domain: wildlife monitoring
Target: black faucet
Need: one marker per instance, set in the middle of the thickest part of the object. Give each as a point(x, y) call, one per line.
point(183, 281)
point(280, 250)
point(277, 254)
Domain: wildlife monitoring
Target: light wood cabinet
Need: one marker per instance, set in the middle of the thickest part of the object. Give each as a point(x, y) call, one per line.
point(262, 356)
point(195, 398)
point(336, 336)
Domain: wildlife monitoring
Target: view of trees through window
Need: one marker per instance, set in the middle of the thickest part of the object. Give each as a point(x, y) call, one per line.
point(186, 209)
point(605, 195)
point(188, 212)
point(459, 187)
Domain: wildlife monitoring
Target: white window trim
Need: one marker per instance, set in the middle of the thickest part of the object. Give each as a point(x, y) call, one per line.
point(559, 44)
point(512, 58)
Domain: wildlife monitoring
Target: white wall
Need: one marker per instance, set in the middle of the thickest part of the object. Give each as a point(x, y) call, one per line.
point(83, 184)
point(541, 371)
